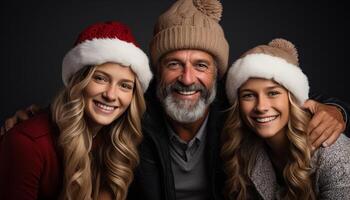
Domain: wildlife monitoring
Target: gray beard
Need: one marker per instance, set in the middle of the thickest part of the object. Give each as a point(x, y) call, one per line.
point(186, 111)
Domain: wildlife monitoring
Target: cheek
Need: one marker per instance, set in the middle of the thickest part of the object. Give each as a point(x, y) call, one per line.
point(169, 76)
point(246, 108)
point(126, 98)
point(92, 90)
point(283, 105)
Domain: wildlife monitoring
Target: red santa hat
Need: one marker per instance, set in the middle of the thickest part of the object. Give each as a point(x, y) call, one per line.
point(107, 42)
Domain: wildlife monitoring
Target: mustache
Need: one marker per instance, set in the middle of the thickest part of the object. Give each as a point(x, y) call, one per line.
point(178, 86)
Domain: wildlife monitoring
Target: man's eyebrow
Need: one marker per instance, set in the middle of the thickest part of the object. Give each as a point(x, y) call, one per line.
point(168, 59)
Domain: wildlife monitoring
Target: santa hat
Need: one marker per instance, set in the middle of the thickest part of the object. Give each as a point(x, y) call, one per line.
point(107, 42)
point(277, 61)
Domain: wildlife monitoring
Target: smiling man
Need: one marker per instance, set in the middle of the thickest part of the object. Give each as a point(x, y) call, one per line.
point(179, 155)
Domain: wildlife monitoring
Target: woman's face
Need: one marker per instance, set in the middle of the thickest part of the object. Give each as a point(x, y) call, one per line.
point(108, 93)
point(264, 106)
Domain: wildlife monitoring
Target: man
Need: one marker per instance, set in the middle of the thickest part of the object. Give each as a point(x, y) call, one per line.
point(180, 152)
point(179, 157)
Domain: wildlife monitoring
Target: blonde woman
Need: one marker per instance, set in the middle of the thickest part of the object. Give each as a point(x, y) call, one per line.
point(266, 151)
point(85, 146)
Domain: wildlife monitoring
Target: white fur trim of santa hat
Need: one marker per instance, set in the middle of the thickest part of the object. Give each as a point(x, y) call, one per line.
point(261, 65)
point(99, 51)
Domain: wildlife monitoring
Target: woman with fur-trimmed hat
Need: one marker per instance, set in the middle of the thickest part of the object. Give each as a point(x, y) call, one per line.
point(266, 150)
point(85, 146)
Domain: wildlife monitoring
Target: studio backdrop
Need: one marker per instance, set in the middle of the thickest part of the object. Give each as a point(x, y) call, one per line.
point(36, 35)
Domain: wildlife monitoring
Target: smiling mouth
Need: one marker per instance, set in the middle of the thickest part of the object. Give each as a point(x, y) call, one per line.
point(105, 107)
point(187, 93)
point(265, 119)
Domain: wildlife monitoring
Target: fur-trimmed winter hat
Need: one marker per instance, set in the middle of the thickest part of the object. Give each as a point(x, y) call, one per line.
point(277, 61)
point(191, 24)
point(107, 42)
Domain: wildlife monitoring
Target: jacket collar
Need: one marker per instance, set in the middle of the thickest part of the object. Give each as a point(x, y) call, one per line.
point(263, 176)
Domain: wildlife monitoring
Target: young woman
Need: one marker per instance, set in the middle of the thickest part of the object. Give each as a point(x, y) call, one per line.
point(266, 151)
point(85, 146)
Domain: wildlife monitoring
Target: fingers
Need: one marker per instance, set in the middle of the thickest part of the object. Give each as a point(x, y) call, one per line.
point(316, 122)
point(317, 132)
point(311, 105)
point(323, 136)
point(10, 122)
point(33, 109)
point(334, 136)
point(20, 115)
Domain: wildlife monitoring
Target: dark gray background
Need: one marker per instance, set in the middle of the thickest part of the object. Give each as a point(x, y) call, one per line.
point(36, 35)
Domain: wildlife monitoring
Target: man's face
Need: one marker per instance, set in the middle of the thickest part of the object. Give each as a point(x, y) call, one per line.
point(187, 84)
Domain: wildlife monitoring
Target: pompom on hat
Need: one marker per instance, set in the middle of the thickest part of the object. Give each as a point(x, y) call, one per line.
point(277, 61)
point(191, 24)
point(107, 42)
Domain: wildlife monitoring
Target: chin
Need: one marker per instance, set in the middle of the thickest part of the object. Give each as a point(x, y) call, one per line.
point(266, 134)
point(104, 120)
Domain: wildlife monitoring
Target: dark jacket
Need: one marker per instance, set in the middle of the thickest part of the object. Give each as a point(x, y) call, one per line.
point(154, 177)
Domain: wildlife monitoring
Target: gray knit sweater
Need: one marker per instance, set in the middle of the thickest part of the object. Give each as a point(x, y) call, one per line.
point(331, 177)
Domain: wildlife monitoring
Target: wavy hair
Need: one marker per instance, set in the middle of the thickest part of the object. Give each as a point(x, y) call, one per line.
point(110, 168)
point(241, 147)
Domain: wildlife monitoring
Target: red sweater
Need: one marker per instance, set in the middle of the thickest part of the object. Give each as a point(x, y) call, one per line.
point(30, 166)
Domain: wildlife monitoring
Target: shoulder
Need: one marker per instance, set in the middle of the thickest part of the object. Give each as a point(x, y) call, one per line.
point(340, 150)
point(38, 126)
point(333, 166)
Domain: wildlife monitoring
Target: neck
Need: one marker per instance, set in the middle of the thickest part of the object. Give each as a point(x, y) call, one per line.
point(93, 127)
point(187, 131)
point(278, 145)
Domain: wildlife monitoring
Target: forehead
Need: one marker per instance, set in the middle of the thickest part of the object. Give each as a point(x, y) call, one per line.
point(188, 54)
point(116, 71)
point(260, 84)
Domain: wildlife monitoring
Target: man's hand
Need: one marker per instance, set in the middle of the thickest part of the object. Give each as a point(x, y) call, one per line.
point(19, 116)
point(326, 124)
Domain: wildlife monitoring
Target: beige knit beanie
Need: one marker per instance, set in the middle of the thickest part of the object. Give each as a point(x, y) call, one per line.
point(191, 24)
point(277, 61)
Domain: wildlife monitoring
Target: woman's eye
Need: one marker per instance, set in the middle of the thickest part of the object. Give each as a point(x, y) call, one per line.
point(273, 93)
point(127, 86)
point(247, 96)
point(100, 78)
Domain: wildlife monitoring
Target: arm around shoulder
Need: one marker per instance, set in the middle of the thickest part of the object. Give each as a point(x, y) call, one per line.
point(344, 107)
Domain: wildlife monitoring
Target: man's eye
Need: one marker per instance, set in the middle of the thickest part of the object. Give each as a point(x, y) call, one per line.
point(202, 65)
point(173, 64)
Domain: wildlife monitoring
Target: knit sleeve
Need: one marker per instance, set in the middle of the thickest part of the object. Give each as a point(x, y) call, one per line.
point(333, 170)
point(20, 168)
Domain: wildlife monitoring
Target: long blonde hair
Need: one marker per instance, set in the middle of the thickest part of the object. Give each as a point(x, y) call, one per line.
point(111, 167)
point(241, 146)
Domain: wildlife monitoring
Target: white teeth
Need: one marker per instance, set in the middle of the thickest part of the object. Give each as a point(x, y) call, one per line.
point(186, 92)
point(265, 119)
point(104, 107)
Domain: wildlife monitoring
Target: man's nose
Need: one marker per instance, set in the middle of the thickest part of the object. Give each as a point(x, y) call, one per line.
point(187, 77)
